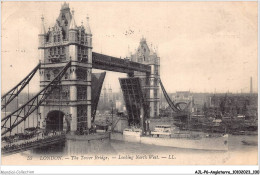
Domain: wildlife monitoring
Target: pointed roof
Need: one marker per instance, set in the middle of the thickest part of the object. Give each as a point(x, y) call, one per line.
point(88, 31)
point(65, 6)
point(143, 40)
point(143, 47)
point(42, 27)
point(72, 22)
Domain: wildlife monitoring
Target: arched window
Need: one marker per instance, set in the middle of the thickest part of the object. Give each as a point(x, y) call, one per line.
point(55, 72)
point(66, 76)
point(66, 22)
point(63, 34)
point(85, 40)
point(48, 76)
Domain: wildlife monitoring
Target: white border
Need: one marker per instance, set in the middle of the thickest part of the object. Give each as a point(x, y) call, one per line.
point(172, 169)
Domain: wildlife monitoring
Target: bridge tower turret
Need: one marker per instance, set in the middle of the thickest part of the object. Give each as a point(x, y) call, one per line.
point(88, 39)
point(73, 39)
point(73, 77)
point(42, 38)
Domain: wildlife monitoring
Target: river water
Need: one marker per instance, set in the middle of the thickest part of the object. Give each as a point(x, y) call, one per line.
point(237, 154)
point(120, 152)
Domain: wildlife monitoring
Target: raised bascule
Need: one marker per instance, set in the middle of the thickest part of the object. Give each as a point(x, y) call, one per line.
point(69, 91)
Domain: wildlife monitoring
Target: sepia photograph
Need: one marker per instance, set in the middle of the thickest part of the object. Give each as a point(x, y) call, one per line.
point(129, 83)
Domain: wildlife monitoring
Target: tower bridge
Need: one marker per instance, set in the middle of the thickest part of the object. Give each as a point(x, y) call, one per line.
point(71, 95)
point(67, 41)
point(69, 91)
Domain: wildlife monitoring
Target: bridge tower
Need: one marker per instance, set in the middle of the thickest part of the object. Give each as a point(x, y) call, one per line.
point(69, 106)
point(150, 84)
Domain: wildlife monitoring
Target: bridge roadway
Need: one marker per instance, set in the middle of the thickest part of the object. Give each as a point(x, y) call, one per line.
point(32, 143)
point(105, 62)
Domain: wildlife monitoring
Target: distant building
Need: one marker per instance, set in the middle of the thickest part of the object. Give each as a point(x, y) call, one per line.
point(183, 96)
point(106, 95)
point(110, 94)
point(235, 104)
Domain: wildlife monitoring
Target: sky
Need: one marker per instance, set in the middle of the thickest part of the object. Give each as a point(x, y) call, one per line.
point(203, 46)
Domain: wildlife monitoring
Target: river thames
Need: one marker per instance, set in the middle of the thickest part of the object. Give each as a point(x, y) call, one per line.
point(107, 152)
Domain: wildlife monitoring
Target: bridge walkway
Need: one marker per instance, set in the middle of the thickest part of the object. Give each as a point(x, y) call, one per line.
point(35, 142)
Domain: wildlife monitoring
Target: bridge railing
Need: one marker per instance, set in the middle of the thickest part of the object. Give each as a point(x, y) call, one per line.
point(33, 141)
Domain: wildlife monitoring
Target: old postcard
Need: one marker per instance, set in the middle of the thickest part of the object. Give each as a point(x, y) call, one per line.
point(129, 83)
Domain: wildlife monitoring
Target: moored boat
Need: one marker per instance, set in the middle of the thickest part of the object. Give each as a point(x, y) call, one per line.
point(132, 132)
point(166, 135)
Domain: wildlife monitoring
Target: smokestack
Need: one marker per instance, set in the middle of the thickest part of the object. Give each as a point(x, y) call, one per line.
point(251, 85)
